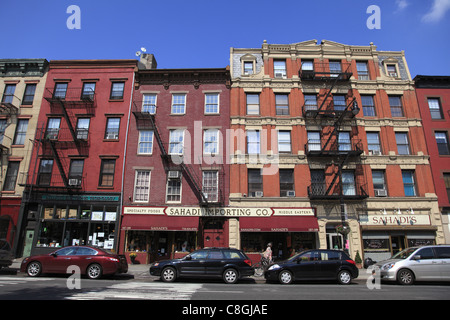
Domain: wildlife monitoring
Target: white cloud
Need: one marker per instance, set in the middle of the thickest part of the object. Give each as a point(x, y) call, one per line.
point(401, 4)
point(437, 12)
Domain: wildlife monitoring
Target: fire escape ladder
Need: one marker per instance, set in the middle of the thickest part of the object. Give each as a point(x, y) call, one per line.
point(69, 123)
point(158, 136)
point(187, 168)
point(59, 163)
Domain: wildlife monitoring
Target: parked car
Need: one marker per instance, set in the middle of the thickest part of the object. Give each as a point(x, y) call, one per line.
point(93, 262)
point(6, 255)
point(314, 265)
point(230, 264)
point(426, 263)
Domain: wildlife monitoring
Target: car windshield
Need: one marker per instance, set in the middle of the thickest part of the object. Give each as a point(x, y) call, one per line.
point(404, 254)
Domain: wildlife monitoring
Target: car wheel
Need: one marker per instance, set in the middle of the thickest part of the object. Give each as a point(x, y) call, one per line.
point(344, 277)
point(34, 269)
point(94, 271)
point(230, 276)
point(405, 277)
point(285, 277)
point(168, 275)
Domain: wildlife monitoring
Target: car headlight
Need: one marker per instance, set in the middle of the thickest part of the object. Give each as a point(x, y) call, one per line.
point(274, 267)
point(388, 266)
point(156, 264)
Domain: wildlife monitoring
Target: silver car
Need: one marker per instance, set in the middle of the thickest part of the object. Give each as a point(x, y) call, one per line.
point(427, 263)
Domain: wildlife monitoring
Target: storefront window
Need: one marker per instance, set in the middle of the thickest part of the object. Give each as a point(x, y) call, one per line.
point(102, 235)
point(50, 234)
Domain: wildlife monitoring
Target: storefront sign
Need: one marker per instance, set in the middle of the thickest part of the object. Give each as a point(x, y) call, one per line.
point(396, 220)
point(220, 212)
point(66, 197)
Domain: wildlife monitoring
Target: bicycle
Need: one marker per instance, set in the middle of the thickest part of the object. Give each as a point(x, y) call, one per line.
point(261, 266)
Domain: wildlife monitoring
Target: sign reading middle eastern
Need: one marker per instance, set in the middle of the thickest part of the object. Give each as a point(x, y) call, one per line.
point(220, 211)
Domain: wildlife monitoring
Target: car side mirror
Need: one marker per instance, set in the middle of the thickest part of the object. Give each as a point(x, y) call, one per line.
point(54, 254)
point(416, 257)
point(188, 257)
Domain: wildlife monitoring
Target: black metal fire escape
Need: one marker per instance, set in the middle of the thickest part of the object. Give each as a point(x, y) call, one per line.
point(331, 146)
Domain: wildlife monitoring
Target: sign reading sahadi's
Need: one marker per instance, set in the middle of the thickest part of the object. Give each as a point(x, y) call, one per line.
point(220, 212)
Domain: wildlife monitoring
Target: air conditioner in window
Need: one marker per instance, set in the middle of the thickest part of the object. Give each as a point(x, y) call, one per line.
point(380, 193)
point(280, 75)
point(112, 136)
point(376, 152)
point(74, 182)
point(256, 194)
point(173, 174)
point(290, 193)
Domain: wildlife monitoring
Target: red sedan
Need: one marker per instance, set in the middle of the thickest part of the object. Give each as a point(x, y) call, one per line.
point(93, 262)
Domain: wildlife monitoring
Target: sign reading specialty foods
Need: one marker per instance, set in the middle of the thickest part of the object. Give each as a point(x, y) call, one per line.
point(220, 212)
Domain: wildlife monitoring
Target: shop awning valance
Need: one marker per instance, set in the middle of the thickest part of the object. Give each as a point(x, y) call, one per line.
point(279, 224)
point(159, 223)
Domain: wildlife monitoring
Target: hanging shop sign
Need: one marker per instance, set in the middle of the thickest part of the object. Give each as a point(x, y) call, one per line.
point(396, 220)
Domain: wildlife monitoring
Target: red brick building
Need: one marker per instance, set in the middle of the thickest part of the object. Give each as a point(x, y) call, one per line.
point(176, 175)
point(73, 187)
point(433, 96)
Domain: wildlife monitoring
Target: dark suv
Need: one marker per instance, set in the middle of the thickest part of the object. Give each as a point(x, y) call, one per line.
point(314, 265)
point(228, 263)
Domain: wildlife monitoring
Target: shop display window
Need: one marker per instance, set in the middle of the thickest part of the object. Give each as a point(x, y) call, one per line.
point(50, 234)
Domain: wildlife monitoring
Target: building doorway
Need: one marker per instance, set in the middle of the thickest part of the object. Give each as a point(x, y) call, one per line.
point(213, 233)
point(398, 243)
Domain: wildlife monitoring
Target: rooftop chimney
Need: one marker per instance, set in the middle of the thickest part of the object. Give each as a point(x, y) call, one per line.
point(147, 61)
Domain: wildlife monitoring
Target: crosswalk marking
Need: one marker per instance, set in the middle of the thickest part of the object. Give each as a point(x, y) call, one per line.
point(141, 290)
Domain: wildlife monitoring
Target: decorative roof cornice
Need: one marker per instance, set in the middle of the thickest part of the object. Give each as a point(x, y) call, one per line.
point(23, 67)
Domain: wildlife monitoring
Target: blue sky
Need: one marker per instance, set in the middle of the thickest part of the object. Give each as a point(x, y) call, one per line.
point(199, 33)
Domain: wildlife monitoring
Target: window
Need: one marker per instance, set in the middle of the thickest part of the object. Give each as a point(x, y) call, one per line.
point(373, 142)
point(279, 68)
point(402, 143)
point(45, 172)
point(176, 141)
point(408, 183)
point(282, 104)
point(284, 141)
point(178, 103)
point(107, 173)
point(82, 130)
point(173, 193)
point(368, 106)
point(11, 176)
point(248, 67)
point(117, 89)
point(344, 141)
point(447, 184)
point(396, 106)
point(60, 91)
point(112, 128)
point(442, 143)
point(378, 180)
point(252, 103)
point(339, 102)
point(53, 128)
point(308, 65)
point(348, 183)
point(335, 68)
point(76, 172)
point(211, 141)
point(211, 103)
point(28, 96)
point(3, 125)
point(253, 142)
point(145, 143)
point(318, 182)
point(435, 108)
point(210, 185)
point(88, 91)
point(310, 102)
point(8, 94)
point(21, 131)
point(286, 182)
point(142, 186)
point(314, 143)
point(391, 70)
point(255, 182)
point(363, 72)
point(149, 103)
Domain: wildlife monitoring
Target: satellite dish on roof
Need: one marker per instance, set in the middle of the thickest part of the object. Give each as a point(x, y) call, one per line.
point(143, 49)
point(138, 53)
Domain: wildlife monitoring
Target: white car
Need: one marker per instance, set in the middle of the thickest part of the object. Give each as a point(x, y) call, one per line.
point(427, 263)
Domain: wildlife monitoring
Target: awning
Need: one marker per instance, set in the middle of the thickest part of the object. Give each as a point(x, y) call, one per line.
point(159, 223)
point(279, 224)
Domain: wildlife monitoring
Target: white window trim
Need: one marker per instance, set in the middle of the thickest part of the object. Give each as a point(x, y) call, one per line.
point(135, 184)
point(216, 131)
point(185, 103)
point(182, 142)
point(218, 102)
point(149, 94)
point(139, 143)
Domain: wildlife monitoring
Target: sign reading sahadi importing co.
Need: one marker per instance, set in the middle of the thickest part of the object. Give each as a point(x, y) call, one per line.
point(220, 211)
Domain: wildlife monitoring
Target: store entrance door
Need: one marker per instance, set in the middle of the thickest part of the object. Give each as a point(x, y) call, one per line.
point(213, 233)
point(335, 241)
point(397, 244)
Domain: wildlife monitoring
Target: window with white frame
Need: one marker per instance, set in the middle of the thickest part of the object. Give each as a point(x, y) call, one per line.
point(211, 141)
point(373, 142)
point(435, 108)
point(282, 104)
point(348, 183)
point(253, 142)
point(176, 141)
point(211, 103)
point(363, 72)
point(310, 102)
point(279, 68)
point(252, 103)
point(248, 67)
point(395, 103)
point(402, 142)
point(314, 143)
point(142, 186)
point(284, 141)
point(149, 103)
point(210, 185)
point(178, 103)
point(145, 143)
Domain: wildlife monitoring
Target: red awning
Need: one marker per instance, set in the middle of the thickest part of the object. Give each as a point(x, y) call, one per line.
point(159, 223)
point(279, 224)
